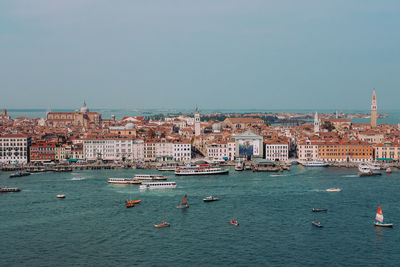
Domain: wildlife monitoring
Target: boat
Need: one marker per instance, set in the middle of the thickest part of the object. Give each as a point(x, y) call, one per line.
point(157, 185)
point(184, 204)
point(9, 189)
point(20, 174)
point(333, 190)
point(202, 169)
point(315, 163)
point(364, 168)
point(319, 210)
point(162, 224)
point(317, 224)
point(374, 165)
point(379, 218)
point(388, 170)
point(371, 173)
point(233, 222)
point(210, 199)
point(239, 166)
point(169, 166)
point(131, 203)
point(123, 181)
point(60, 196)
point(149, 177)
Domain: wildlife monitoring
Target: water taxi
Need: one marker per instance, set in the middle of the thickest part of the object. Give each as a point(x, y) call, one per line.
point(149, 177)
point(123, 181)
point(9, 189)
point(157, 185)
point(203, 169)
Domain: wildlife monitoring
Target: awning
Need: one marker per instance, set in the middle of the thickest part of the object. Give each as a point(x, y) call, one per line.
point(385, 159)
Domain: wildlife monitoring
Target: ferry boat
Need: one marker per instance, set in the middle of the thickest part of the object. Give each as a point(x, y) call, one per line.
point(315, 163)
point(9, 189)
point(19, 174)
point(123, 181)
point(203, 169)
point(239, 166)
point(149, 177)
point(365, 170)
point(157, 185)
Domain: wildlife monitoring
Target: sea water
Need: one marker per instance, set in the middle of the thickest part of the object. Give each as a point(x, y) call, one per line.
point(92, 226)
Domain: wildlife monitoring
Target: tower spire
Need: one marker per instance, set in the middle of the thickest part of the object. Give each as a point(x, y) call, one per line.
point(374, 110)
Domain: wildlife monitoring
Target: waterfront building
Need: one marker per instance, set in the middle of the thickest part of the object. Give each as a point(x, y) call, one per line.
point(42, 151)
point(138, 150)
point(217, 150)
point(248, 145)
point(164, 151)
point(307, 150)
point(82, 118)
point(150, 150)
point(374, 110)
point(345, 151)
point(99, 148)
point(277, 149)
point(197, 127)
point(182, 150)
point(14, 148)
point(317, 123)
point(388, 151)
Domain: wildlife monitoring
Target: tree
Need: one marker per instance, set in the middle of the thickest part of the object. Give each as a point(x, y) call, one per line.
point(328, 125)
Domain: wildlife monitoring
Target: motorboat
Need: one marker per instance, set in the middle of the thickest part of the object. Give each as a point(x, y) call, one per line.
point(20, 174)
point(60, 196)
point(9, 189)
point(317, 224)
point(315, 163)
point(239, 166)
point(319, 210)
point(388, 170)
point(233, 222)
point(364, 168)
point(210, 199)
point(162, 224)
point(333, 190)
point(374, 165)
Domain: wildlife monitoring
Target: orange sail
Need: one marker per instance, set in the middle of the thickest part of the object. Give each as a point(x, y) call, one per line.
point(379, 214)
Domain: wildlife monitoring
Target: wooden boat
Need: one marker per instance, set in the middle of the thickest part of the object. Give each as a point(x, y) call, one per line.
point(184, 203)
point(388, 170)
point(210, 199)
point(317, 224)
point(319, 210)
point(60, 196)
point(19, 174)
point(162, 224)
point(379, 218)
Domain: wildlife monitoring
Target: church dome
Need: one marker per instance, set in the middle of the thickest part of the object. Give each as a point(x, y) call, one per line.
point(130, 126)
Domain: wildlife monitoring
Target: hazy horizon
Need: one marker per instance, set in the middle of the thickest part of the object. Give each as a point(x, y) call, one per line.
point(178, 54)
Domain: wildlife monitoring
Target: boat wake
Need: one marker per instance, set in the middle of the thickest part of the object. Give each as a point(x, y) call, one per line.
point(77, 178)
point(350, 176)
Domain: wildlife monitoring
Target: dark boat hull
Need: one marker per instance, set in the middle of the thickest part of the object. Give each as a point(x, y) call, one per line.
point(202, 174)
point(319, 210)
point(389, 225)
point(317, 224)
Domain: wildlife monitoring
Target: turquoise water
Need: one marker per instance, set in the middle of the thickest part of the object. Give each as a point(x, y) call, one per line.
point(91, 226)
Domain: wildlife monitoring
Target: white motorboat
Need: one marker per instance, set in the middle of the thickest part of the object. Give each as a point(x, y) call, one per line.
point(239, 166)
point(364, 168)
point(373, 165)
point(333, 190)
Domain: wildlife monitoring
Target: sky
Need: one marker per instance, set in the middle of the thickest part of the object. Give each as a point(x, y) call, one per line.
point(224, 54)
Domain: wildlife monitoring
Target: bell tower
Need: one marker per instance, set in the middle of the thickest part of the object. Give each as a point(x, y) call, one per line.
point(374, 110)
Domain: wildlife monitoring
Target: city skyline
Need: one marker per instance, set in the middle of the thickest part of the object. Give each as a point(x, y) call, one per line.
point(264, 55)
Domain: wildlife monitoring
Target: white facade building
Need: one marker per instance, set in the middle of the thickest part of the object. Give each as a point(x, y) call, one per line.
point(14, 148)
point(182, 151)
point(277, 151)
point(307, 150)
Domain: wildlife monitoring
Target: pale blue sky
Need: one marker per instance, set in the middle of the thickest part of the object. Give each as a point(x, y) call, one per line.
point(213, 53)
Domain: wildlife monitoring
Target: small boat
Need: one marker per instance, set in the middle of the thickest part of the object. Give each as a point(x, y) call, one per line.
point(19, 174)
point(233, 222)
point(60, 196)
point(388, 170)
point(379, 218)
point(317, 224)
point(315, 163)
point(371, 173)
point(9, 189)
point(333, 190)
point(319, 210)
point(162, 224)
point(239, 166)
point(210, 199)
point(131, 203)
point(184, 203)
